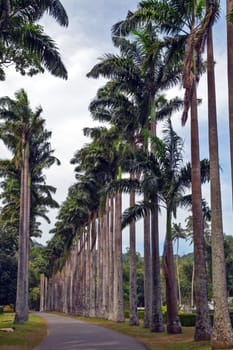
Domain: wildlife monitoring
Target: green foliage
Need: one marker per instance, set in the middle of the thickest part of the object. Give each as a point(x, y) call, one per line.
point(37, 265)
point(8, 278)
point(140, 314)
point(187, 320)
point(23, 41)
point(34, 298)
point(140, 278)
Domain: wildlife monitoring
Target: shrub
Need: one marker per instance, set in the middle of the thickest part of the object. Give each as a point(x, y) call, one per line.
point(1, 309)
point(8, 308)
point(187, 320)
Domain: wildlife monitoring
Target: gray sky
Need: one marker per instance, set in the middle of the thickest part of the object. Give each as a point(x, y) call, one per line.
point(65, 103)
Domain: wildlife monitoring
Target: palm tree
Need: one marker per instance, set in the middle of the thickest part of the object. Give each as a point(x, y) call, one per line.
point(19, 131)
point(23, 41)
point(177, 233)
point(222, 334)
point(229, 9)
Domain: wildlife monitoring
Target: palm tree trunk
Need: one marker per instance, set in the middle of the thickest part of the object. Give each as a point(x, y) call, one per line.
point(22, 277)
point(222, 335)
point(147, 272)
point(229, 7)
point(88, 254)
point(156, 302)
point(42, 292)
point(178, 273)
point(111, 258)
point(202, 327)
point(93, 269)
point(133, 316)
point(105, 260)
point(156, 312)
point(173, 322)
point(192, 287)
point(118, 289)
point(100, 268)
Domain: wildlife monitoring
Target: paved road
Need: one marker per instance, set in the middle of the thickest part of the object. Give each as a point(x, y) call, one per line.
point(69, 334)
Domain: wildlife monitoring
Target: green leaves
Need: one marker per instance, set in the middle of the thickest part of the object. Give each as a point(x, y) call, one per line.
point(22, 129)
point(24, 42)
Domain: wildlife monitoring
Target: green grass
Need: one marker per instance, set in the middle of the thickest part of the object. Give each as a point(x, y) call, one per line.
point(25, 336)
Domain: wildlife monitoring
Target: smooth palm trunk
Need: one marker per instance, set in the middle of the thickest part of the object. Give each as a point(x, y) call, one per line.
point(111, 259)
point(22, 276)
point(173, 322)
point(202, 326)
point(93, 269)
point(222, 335)
point(147, 272)
point(156, 308)
point(118, 307)
point(156, 324)
point(229, 7)
point(133, 317)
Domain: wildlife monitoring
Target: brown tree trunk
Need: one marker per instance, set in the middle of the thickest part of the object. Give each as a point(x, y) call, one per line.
point(147, 272)
point(133, 315)
point(111, 259)
point(229, 7)
point(118, 305)
point(21, 309)
point(173, 322)
point(156, 314)
point(93, 269)
point(202, 326)
point(222, 335)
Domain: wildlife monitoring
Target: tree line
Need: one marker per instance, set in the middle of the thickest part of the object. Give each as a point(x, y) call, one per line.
point(160, 46)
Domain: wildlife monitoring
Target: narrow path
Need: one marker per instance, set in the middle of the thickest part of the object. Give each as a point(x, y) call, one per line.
point(66, 333)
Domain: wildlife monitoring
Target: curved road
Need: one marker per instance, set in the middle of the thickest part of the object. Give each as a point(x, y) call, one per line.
point(66, 333)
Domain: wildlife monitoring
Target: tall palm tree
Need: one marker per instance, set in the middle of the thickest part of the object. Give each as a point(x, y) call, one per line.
point(222, 334)
point(23, 40)
point(20, 129)
point(229, 11)
point(177, 233)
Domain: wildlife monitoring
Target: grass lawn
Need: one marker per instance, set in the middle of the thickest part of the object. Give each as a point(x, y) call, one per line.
point(25, 336)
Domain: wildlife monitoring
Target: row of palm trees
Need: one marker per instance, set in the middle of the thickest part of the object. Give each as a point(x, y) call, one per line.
point(161, 44)
point(164, 47)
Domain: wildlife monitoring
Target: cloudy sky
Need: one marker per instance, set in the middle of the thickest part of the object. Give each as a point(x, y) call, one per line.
point(65, 103)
